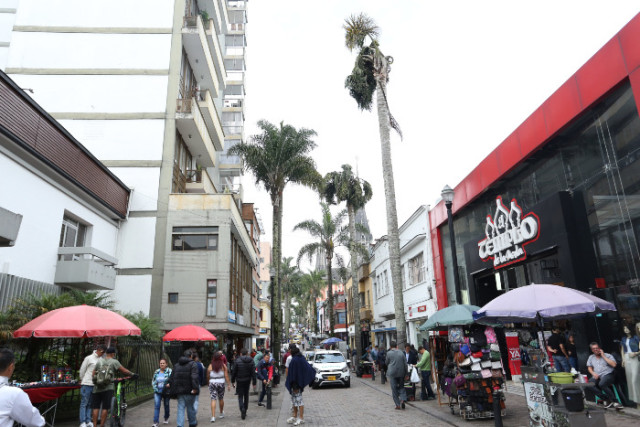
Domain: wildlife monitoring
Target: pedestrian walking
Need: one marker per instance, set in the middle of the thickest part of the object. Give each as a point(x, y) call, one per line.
point(424, 367)
point(103, 387)
point(244, 373)
point(299, 375)
point(86, 382)
point(160, 394)
point(14, 402)
point(396, 372)
point(184, 383)
point(218, 375)
point(265, 375)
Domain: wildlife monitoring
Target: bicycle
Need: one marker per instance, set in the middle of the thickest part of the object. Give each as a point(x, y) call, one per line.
point(118, 408)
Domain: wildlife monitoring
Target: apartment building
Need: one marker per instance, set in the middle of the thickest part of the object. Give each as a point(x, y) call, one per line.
point(155, 89)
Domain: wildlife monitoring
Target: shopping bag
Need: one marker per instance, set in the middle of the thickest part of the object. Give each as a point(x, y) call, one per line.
point(415, 378)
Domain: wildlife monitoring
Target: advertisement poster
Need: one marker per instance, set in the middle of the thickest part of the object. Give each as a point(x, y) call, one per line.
point(539, 411)
point(513, 350)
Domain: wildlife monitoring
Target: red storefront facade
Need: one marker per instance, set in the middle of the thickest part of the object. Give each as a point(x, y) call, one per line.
point(615, 65)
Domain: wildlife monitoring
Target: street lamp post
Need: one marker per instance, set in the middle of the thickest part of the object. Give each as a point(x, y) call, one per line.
point(447, 196)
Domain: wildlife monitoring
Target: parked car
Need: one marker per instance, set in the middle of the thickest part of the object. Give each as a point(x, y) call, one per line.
point(331, 368)
point(309, 356)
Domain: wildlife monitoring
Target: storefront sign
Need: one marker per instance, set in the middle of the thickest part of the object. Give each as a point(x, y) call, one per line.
point(422, 308)
point(231, 317)
point(513, 350)
point(507, 234)
point(241, 319)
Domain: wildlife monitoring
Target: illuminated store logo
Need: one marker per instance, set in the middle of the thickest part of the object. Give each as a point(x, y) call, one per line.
point(507, 234)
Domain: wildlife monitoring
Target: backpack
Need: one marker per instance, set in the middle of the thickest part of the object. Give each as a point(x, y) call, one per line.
point(104, 374)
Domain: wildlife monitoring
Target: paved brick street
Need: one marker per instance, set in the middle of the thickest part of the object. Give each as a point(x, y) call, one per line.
point(366, 403)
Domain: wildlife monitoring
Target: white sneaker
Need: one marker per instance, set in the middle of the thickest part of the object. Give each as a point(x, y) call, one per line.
point(298, 422)
point(291, 420)
point(221, 415)
point(89, 424)
point(213, 419)
point(83, 424)
point(164, 422)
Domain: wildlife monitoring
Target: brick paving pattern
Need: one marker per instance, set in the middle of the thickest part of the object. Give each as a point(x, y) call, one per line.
point(366, 403)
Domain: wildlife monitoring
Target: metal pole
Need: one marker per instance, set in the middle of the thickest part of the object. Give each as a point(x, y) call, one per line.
point(454, 255)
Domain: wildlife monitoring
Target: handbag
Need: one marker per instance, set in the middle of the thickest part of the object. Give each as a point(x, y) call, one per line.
point(455, 334)
point(496, 365)
point(474, 359)
point(494, 347)
point(490, 333)
point(459, 381)
point(415, 378)
point(476, 367)
point(486, 373)
point(496, 373)
point(485, 364)
point(466, 362)
point(495, 356)
point(464, 349)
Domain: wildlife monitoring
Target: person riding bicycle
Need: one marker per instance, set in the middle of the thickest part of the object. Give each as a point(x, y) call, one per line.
point(102, 393)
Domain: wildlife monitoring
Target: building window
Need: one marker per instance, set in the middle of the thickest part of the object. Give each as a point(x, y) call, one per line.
point(72, 235)
point(416, 269)
point(195, 238)
point(173, 297)
point(212, 295)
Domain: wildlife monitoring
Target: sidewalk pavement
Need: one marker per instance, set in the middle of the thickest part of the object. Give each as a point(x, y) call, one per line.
point(142, 415)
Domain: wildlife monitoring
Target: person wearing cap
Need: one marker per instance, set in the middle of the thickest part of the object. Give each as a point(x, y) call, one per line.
point(86, 382)
point(14, 402)
point(102, 394)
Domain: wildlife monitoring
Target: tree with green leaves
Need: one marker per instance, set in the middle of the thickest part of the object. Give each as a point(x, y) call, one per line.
point(311, 285)
point(277, 156)
point(370, 75)
point(344, 186)
point(289, 278)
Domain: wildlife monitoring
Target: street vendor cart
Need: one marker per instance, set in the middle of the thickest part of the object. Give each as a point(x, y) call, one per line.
point(552, 399)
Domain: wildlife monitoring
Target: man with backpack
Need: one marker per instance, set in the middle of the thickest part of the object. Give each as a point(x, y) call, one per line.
point(184, 384)
point(103, 387)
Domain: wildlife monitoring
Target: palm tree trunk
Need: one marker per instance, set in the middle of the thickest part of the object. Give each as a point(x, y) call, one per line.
point(392, 215)
point(330, 296)
point(287, 309)
point(275, 261)
point(355, 283)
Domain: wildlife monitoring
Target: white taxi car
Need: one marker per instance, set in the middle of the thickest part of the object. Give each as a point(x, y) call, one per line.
point(331, 368)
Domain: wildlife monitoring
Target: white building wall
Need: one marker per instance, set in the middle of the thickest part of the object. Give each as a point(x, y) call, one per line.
point(419, 303)
point(132, 294)
point(136, 244)
point(144, 184)
point(96, 13)
point(7, 18)
point(43, 207)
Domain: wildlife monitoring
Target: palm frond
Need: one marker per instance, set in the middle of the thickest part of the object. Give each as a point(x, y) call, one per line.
point(357, 28)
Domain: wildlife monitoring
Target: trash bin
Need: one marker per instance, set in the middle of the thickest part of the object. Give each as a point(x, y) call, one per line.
point(573, 400)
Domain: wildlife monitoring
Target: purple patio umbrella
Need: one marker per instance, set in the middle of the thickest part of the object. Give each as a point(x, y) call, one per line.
point(541, 303)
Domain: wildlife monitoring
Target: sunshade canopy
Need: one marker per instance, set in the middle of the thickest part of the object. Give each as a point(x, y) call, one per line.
point(189, 333)
point(541, 303)
point(78, 321)
point(455, 315)
point(331, 340)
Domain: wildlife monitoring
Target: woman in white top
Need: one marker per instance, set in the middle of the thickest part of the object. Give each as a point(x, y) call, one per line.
point(218, 375)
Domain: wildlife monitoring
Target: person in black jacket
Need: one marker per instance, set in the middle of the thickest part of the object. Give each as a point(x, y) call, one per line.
point(184, 383)
point(411, 354)
point(243, 373)
point(265, 374)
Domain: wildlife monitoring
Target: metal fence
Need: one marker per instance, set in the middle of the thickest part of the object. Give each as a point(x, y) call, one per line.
point(12, 287)
point(31, 354)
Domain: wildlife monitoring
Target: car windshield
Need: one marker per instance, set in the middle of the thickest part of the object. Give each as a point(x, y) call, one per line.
point(329, 358)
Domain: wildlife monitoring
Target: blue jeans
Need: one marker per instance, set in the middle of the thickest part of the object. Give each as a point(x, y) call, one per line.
point(573, 361)
point(186, 401)
point(561, 364)
point(397, 390)
point(426, 390)
point(158, 399)
point(85, 403)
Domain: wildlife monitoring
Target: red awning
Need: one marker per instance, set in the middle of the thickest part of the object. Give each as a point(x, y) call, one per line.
point(189, 333)
point(78, 321)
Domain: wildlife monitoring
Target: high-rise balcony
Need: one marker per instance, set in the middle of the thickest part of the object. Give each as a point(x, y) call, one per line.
point(85, 268)
point(9, 227)
point(193, 128)
point(198, 181)
point(196, 44)
point(216, 51)
point(211, 117)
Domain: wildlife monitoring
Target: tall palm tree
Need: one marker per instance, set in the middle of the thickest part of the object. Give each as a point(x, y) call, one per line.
point(328, 234)
point(312, 283)
point(289, 276)
point(277, 156)
point(370, 75)
point(344, 186)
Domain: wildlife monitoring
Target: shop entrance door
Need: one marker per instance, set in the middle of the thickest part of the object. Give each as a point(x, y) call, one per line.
point(488, 287)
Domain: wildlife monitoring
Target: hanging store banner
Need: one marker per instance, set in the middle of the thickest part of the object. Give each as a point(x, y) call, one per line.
point(513, 351)
point(507, 233)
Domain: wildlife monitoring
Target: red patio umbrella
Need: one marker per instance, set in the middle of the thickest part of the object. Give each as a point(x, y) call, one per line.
point(189, 333)
point(78, 321)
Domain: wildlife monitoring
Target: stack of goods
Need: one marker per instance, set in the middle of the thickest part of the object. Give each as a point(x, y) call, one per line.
point(477, 355)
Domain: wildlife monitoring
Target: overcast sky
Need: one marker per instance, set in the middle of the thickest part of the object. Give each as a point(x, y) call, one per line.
point(466, 74)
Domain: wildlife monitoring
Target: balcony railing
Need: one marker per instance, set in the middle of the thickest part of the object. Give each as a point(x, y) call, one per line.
point(85, 268)
point(233, 103)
